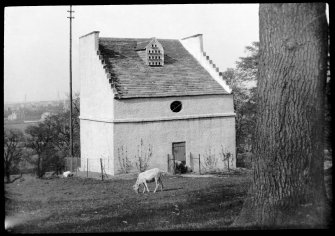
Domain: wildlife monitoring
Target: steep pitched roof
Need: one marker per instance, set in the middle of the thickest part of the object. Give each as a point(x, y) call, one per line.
point(141, 45)
point(181, 74)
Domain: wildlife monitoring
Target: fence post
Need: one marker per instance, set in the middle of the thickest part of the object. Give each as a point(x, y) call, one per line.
point(174, 164)
point(199, 166)
point(168, 166)
point(102, 173)
point(191, 161)
point(71, 159)
point(87, 167)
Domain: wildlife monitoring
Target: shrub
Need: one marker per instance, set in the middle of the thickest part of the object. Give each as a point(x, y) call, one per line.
point(142, 159)
point(124, 161)
point(210, 161)
point(226, 157)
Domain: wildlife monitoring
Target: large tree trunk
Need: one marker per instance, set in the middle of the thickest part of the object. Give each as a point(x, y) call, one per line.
point(288, 181)
point(8, 176)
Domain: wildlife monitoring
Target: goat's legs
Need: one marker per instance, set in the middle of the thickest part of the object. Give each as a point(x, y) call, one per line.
point(143, 188)
point(145, 183)
point(161, 183)
point(156, 181)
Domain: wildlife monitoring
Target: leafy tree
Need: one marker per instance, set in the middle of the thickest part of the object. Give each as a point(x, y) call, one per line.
point(242, 80)
point(40, 140)
point(51, 139)
point(13, 144)
point(288, 180)
point(248, 66)
point(61, 122)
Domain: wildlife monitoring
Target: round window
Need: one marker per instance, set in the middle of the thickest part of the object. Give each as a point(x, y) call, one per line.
point(176, 106)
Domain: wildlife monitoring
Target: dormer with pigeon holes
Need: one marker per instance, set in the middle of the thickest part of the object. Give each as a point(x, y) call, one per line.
point(151, 52)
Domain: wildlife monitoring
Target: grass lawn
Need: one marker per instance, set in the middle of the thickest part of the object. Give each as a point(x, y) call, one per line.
point(76, 205)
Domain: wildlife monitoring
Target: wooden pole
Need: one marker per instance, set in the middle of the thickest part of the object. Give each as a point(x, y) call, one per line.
point(71, 128)
point(174, 164)
point(168, 167)
point(191, 161)
point(87, 167)
point(102, 173)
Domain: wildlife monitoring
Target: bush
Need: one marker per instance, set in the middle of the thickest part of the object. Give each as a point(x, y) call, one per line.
point(142, 159)
point(244, 160)
point(210, 161)
point(124, 162)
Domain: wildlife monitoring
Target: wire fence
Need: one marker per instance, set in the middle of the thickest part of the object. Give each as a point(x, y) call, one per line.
point(95, 167)
point(72, 164)
point(195, 162)
point(171, 164)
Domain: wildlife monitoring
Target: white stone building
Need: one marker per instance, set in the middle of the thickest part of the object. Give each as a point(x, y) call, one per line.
point(165, 94)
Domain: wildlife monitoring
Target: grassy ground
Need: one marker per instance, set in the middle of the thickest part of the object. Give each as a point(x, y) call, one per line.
point(90, 205)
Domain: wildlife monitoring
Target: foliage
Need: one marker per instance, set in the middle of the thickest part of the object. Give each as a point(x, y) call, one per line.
point(226, 157)
point(210, 161)
point(248, 65)
point(40, 140)
point(242, 80)
point(13, 144)
point(61, 129)
point(142, 159)
point(124, 161)
point(50, 139)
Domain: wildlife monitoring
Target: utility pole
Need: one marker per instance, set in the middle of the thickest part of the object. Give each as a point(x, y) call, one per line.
point(71, 129)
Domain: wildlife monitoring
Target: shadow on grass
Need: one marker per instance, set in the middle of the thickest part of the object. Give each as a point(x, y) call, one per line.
point(171, 189)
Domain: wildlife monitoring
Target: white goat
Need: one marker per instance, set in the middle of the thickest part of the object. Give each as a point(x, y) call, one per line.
point(148, 177)
point(67, 174)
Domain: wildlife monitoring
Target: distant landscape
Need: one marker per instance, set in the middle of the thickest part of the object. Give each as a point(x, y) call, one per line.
point(22, 115)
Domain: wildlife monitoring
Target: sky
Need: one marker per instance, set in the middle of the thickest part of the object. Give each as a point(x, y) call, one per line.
point(36, 39)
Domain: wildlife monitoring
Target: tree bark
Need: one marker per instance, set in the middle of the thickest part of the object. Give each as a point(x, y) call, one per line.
point(288, 179)
point(7, 176)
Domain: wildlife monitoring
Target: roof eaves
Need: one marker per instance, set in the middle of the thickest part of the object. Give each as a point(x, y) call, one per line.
point(172, 95)
point(93, 32)
point(193, 36)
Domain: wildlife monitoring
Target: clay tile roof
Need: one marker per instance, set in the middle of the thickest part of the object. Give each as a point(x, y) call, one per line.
point(142, 44)
point(181, 74)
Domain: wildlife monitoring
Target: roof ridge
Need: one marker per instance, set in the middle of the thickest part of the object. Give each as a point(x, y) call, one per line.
point(136, 39)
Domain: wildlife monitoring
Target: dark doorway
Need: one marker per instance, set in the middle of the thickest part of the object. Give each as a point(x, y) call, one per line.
point(178, 151)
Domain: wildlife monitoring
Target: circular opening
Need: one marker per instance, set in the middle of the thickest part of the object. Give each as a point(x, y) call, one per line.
point(176, 106)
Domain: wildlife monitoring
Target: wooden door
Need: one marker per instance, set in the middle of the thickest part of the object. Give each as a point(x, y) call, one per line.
point(179, 152)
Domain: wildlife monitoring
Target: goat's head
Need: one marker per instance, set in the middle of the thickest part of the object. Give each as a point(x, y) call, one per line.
point(136, 188)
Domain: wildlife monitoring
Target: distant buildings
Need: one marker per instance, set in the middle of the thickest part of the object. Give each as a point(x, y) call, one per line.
point(33, 111)
point(12, 116)
point(45, 115)
point(17, 115)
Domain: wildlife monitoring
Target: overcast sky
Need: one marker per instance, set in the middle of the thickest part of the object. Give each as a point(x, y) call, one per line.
point(36, 43)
